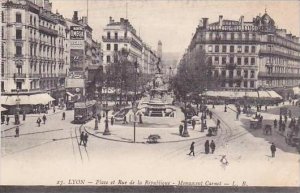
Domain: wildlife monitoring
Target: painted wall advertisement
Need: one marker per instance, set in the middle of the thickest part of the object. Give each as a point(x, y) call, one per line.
point(76, 48)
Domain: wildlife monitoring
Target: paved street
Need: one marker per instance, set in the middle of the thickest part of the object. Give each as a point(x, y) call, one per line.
point(43, 155)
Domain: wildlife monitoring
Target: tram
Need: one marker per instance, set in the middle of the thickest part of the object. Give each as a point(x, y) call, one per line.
point(84, 111)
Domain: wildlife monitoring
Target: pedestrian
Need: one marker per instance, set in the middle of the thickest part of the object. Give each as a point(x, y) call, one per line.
point(44, 119)
point(266, 108)
point(273, 149)
point(17, 131)
point(225, 108)
point(285, 118)
point(192, 149)
point(63, 116)
point(206, 147)
point(85, 139)
point(218, 123)
point(140, 118)
point(237, 116)
point(24, 115)
point(112, 120)
point(180, 129)
point(275, 123)
point(125, 120)
point(210, 115)
point(53, 108)
point(193, 123)
point(2, 119)
point(212, 146)
point(81, 138)
point(99, 117)
point(39, 121)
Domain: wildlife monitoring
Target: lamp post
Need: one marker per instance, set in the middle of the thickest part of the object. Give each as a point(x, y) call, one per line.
point(96, 109)
point(17, 116)
point(106, 130)
point(134, 106)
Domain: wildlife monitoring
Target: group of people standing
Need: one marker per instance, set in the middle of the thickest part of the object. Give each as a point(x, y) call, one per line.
point(208, 147)
point(83, 139)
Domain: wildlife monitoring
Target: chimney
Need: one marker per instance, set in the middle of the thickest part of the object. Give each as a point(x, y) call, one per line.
point(122, 20)
point(242, 21)
point(220, 20)
point(75, 16)
point(110, 20)
point(205, 22)
point(85, 20)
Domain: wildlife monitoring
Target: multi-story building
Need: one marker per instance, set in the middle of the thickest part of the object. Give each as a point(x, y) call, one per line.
point(121, 34)
point(33, 49)
point(248, 55)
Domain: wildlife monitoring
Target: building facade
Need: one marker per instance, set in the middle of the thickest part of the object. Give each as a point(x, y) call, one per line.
point(33, 47)
point(122, 35)
point(247, 55)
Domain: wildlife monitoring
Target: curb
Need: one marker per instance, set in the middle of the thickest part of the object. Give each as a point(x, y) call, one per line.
point(123, 141)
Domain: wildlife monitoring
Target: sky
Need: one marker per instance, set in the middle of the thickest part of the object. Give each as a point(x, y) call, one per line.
point(173, 21)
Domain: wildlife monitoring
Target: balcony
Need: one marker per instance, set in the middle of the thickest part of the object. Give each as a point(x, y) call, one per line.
point(231, 66)
point(19, 76)
point(278, 75)
point(35, 75)
point(277, 53)
point(48, 31)
point(228, 40)
point(269, 65)
point(19, 56)
point(120, 39)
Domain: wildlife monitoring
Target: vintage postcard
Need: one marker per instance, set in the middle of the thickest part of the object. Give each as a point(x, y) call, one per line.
point(150, 93)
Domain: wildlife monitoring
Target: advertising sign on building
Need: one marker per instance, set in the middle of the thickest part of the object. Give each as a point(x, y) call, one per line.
point(75, 83)
point(76, 59)
point(76, 33)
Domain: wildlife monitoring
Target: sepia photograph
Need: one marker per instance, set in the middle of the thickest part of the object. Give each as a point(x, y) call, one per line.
point(112, 94)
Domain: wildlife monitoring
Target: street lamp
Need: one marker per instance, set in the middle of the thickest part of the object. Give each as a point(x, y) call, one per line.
point(96, 109)
point(17, 119)
point(134, 106)
point(106, 130)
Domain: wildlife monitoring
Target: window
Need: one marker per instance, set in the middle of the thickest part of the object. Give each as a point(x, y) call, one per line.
point(209, 61)
point(2, 68)
point(30, 19)
point(251, 84)
point(223, 60)
point(2, 16)
point(253, 49)
point(231, 60)
point(18, 34)
point(34, 21)
point(2, 50)
point(231, 48)
point(210, 36)
point(223, 73)
point(230, 73)
point(240, 36)
point(18, 18)
point(224, 49)
point(216, 48)
point(239, 49)
point(18, 50)
point(246, 61)
point(216, 60)
point(247, 36)
point(108, 35)
point(2, 32)
point(224, 36)
point(116, 35)
point(252, 61)
point(245, 84)
point(209, 48)
point(246, 49)
point(245, 73)
point(115, 47)
point(239, 61)
point(108, 59)
point(107, 46)
point(232, 36)
point(252, 74)
point(19, 85)
point(216, 73)
point(238, 73)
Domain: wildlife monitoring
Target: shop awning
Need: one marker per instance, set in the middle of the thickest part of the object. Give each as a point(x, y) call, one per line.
point(3, 109)
point(42, 98)
point(274, 94)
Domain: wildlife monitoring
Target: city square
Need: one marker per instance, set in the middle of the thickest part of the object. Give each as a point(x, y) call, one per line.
point(79, 110)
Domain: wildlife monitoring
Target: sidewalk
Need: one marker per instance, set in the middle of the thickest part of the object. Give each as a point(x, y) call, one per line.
point(30, 118)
